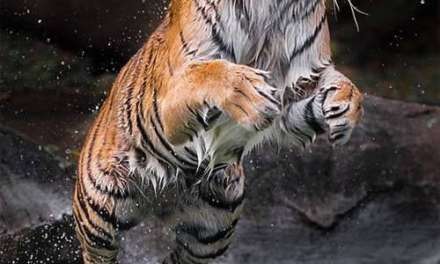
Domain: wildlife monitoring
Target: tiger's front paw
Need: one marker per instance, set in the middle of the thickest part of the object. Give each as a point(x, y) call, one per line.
point(249, 99)
point(341, 106)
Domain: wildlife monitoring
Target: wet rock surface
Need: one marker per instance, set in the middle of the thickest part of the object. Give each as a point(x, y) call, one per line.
point(34, 185)
point(375, 200)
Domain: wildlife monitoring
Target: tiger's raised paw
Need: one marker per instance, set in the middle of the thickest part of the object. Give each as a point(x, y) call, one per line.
point(250, 99)
point(342, 110)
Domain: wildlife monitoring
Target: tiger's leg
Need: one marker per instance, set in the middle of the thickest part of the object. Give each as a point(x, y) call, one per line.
point(99, 221)
point(336, 108)
point(205, 230)
point(240, 91)
point(341, 105)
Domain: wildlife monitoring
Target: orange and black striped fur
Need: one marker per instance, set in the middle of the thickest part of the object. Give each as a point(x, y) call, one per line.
point(216, 78)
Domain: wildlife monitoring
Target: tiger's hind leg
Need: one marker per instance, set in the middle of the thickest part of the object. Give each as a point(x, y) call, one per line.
point(205, 229)
point(98, 238)
point(97, 226)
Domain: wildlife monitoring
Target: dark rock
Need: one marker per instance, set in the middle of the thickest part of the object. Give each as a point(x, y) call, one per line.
point(47, 243)
point(396, 145)
point(34, 187)
point(111, 29)
point(375, 200)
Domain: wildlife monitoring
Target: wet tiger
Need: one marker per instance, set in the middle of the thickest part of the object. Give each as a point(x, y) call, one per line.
point(217, 78)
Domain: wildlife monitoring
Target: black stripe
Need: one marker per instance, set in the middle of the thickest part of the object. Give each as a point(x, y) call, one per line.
point(118, 193)
point(191, 153)
point(195, 231)
point(337, 137)
point(268, 98)
point(102, 212)
point(202, 256)
point(221, 204)
point(184, 43)
point(215, 114)
point(185, 46)
point(83, 208)
point(105, 215)
point(128, 112)
point(156, 108)
point(143, 89)
point(190, 128)
point(340, 131)
point(130, 91)
point(96, 241)
point(80, 228)
point(325, 95)
point(310, 117)
point(221, 44)
point(199, 118)
point(215, 32)
point(158, 133)
point(168, 147)
point(219, 167)
point(310, 40)
point(221, 235)
point(147, 144)
point(336, 115)
point(115, 194)
point(91, 146)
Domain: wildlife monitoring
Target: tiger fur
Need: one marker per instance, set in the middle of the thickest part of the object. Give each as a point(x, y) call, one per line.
point(216, 78)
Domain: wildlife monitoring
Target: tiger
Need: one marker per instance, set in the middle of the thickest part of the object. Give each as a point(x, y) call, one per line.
point(215, 80)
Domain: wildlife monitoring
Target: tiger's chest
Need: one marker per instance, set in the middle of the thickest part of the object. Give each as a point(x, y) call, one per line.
point(281, 37)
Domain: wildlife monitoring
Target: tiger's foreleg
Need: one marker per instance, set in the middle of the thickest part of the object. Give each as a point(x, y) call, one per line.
point(335, 108)
point(205, 230)
point(341, 105)
point(240, 91)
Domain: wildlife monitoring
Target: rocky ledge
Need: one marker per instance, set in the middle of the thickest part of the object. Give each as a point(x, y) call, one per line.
point(375, 200)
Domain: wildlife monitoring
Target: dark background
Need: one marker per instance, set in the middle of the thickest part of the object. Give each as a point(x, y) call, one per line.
point(59, 57)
